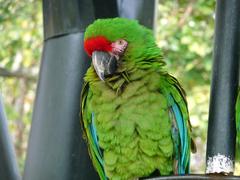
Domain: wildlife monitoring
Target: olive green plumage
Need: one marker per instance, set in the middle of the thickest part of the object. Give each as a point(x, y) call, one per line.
point(133, 112)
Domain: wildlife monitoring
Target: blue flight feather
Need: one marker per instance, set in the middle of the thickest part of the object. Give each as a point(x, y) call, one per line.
point(95, 139)
point(94, 134)
point(182, 132)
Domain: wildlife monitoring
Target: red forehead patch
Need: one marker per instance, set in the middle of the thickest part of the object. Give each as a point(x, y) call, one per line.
point(99, 43)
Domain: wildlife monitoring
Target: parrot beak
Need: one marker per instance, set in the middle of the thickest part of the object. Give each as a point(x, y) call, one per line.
point(104, 64)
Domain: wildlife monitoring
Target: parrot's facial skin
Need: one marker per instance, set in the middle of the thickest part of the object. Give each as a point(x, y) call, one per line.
point(107, 56)
point(118, 47)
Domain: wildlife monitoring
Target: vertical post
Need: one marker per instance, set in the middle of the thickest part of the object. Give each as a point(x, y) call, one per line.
point(221, 127)
point(145, 11)
point(8, 164)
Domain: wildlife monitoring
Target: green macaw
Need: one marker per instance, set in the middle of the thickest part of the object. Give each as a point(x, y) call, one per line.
point(134, 114)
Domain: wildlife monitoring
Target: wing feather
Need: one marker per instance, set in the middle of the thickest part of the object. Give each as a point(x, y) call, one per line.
point(178, 107)
point(90, 133)
point(183, 161)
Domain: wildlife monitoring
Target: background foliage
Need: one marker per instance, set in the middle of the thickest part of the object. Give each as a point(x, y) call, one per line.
point(185, 33)
point(20, 50)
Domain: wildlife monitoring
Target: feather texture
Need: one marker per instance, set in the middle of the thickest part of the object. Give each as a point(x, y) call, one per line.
point(134, 128)
point(183, 163)
point(136, 121)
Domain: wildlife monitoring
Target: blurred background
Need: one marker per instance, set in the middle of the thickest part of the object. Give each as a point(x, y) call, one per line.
point(184, 32)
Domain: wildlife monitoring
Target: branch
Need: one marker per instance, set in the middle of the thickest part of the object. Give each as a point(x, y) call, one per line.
point(17, 74)
point(187, 13)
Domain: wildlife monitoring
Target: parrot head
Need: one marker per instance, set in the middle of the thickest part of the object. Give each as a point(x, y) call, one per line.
point(117, 42)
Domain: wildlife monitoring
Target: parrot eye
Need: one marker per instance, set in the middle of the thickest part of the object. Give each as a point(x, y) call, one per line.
point(121, 42)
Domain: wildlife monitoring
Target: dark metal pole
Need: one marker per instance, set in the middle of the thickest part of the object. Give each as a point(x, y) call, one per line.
point(221, 127)
point(8, 164)
point(145, 11)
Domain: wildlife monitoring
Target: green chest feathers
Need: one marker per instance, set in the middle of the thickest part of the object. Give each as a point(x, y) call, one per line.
point(133, 128)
